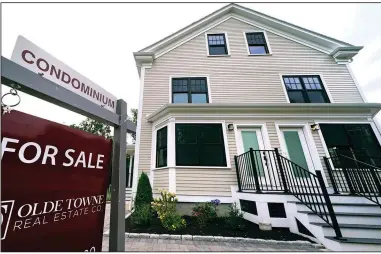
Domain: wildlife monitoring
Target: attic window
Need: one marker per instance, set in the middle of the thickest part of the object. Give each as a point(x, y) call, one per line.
point(217, 44)
point(256, 43)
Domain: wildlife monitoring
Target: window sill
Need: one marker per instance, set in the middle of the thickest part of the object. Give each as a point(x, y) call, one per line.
point(155, 169)
point(201, 167)
point(260, 54)
point(218, 55)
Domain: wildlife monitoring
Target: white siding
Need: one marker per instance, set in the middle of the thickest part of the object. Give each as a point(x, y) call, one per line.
point(238, 78)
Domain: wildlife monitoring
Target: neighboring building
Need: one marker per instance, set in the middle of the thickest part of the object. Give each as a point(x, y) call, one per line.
point(239, 79)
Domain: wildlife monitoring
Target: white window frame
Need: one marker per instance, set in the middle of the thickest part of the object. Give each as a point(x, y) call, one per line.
point(305, 74)
point(224, 134)
point(266, 39)
point(226, 41)
point(190, 76)
point(155, 128)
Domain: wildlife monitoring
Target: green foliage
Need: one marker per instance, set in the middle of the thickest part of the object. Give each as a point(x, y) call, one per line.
point(108, 196)
point(173, 221)
point(205, 212)
point(95, 127)
point(134, 119)
point(142, 215)
point(144, 191)
point(165, 206)
point(234, 220)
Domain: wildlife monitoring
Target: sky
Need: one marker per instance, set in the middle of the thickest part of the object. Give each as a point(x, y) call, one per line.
point(97, 40)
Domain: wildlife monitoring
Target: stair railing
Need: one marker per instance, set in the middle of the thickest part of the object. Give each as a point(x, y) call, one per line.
point(354, 177)
point(267, 170)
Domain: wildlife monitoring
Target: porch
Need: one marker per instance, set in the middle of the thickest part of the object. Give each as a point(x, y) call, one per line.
point(346, 212)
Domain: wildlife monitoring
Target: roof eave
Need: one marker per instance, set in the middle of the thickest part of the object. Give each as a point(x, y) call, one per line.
point(275, 108)
point(323, 43)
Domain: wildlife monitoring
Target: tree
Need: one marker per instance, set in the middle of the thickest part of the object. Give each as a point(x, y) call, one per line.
point(144, 191)
point(102, 129)
point(134, 119)
point(95, 127)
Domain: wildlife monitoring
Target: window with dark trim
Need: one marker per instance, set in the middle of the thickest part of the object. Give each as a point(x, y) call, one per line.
point(217, 44)
point(356, 141)
point(256, 43)
point(161, 147)
point(200, 145)
point(305, 89)
point(189, 90)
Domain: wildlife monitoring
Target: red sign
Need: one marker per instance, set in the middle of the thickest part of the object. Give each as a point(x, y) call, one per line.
point(53, 185)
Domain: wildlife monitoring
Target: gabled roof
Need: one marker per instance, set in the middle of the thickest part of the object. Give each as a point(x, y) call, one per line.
point(341, 51)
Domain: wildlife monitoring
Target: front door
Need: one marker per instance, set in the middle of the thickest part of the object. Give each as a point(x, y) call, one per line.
point(252, 138)
point(295, 148)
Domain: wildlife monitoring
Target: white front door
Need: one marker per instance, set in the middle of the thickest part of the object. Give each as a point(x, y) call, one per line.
point(294, 146)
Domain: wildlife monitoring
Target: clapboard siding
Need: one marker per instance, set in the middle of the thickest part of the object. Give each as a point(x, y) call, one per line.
point(209, 182)
point(238, 78)
point(160, 180)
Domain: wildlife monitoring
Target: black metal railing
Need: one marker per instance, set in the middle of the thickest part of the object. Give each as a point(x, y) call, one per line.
point(355, 177)
point(267, 170)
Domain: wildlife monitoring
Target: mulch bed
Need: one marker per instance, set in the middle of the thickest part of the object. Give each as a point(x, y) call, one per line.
point(217, 227)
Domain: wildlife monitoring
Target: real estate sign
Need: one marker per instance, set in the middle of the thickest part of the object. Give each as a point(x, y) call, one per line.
point(39, 61)
point(53, 185)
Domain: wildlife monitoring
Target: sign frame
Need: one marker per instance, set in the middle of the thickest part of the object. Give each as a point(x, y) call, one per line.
point(13, 74)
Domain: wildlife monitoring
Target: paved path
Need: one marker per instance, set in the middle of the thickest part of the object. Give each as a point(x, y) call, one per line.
point(147, 245)
point(107, 217)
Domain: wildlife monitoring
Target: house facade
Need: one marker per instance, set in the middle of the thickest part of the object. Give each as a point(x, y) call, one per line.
point(228, 101)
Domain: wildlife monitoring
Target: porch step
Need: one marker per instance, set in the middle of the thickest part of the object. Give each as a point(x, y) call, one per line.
point(349, 217)
point(356, 240)
point(345, 207)
point(352, 230)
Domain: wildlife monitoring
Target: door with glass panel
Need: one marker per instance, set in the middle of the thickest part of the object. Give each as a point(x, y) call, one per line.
point(252, 138)
point(295, 148)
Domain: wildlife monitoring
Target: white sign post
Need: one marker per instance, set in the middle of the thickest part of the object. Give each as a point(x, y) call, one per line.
point(39, 61)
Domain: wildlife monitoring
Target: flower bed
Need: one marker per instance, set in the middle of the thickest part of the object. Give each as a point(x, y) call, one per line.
point(216, 227)
point(160, 216)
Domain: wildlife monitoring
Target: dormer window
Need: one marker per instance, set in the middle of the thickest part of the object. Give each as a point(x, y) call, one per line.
point(217, 44)
point(257, 44)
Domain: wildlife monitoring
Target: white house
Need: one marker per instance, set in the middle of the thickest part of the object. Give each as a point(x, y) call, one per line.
point(239, 79)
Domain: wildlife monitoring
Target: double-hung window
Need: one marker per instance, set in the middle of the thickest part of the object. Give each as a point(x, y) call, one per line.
point(256, 43)
point(189, 90)
point(305, 89)
point(161, 147)
point(217, 44)
point(200, 145)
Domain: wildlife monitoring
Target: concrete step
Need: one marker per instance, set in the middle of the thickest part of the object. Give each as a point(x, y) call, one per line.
point(352, 230)
point(350, 217)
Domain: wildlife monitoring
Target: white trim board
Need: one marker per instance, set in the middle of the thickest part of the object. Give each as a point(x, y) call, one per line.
point(203, 198)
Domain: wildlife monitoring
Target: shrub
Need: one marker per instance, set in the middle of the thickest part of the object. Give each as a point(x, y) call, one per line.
point(234, 218)
point(142, 215)
point(165, 206)
point(144, 191)
point(206, 212)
